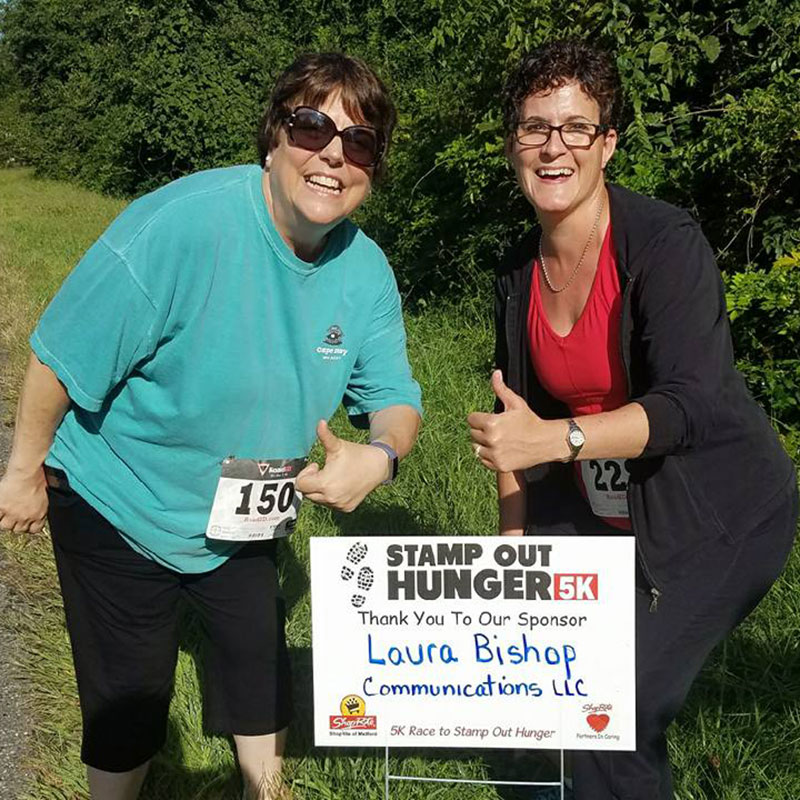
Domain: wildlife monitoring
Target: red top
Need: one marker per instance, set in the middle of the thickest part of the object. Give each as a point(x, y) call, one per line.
point(584, 369)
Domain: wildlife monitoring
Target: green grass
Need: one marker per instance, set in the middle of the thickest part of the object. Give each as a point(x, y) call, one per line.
point(44, 228)
point(738, 737)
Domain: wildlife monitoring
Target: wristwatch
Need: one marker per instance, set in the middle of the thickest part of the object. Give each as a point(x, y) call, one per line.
point(576, 438)
point(393, 459)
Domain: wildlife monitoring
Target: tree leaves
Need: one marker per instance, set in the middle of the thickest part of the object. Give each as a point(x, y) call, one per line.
point(128, 94)
point(659, 53)
point(711, 47)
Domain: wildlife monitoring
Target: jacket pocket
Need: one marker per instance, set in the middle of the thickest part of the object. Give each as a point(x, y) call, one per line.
point(673, 519)
point(694, 488)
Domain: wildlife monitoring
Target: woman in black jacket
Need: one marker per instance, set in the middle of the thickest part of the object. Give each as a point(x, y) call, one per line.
point(619, 409)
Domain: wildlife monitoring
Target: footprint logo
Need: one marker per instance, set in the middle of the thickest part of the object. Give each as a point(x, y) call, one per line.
point(365, 578)
point(356, 553)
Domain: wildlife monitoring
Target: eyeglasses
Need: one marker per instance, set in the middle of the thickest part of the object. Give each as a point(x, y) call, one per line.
point(313, 130)
point(537, 132)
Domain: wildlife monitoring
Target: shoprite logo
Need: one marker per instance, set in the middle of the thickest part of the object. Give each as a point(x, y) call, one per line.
point(352, 716)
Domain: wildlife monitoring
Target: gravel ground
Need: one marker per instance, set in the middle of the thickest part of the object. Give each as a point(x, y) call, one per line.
point(14, 726)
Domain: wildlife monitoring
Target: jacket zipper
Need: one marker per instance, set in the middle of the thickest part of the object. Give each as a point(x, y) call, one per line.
point(655, 592)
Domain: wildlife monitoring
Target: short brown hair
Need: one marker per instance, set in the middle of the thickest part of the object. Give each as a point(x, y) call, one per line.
point(554, 64)
point(311, 79)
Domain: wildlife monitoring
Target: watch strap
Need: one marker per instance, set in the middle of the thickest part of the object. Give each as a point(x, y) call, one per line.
point(393, 459)
point(574, 449)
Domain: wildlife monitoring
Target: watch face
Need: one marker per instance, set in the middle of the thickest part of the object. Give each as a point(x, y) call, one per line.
point(576, 438)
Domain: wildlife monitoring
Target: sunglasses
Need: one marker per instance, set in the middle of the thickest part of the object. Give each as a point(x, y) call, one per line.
point(313, 130)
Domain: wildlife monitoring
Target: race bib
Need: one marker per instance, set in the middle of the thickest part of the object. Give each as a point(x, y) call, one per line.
point(255, 500)
point(606, 482)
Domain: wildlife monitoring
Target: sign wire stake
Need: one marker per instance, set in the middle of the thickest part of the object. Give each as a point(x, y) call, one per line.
point(387, 776)
point(386, 773)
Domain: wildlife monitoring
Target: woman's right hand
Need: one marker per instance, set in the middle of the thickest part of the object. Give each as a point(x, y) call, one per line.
point(23, 502)
point(23, 489)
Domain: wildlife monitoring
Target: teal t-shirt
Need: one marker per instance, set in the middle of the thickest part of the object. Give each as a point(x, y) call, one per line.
point(190, 332)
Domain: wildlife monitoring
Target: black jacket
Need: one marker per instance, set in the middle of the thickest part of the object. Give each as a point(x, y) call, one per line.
point(713, 465)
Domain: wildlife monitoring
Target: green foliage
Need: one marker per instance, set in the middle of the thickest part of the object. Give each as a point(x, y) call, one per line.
point(15, 132)
point(765, 314)
point(15, 126)
point(128, 94)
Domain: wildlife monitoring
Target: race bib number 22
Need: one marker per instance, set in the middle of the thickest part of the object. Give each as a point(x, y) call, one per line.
point(606, 482)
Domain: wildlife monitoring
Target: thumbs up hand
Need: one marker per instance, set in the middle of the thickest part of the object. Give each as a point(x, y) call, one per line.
point(516, 438)
point(350, 473)
point(511, 400)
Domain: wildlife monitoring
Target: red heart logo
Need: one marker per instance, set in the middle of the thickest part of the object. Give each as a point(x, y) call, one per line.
point(598, 722)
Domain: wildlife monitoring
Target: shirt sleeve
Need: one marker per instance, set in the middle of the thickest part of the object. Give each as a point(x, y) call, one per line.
point(381, 375)
point(685, 340)
point(97, 327)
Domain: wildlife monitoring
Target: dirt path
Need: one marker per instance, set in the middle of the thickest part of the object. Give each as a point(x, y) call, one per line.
point(13, 721)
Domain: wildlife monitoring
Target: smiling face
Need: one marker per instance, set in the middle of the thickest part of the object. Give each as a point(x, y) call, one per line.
point(309, 192)
point(557, 179)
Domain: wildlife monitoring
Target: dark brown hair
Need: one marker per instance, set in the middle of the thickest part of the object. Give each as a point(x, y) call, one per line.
point(311, 79)
point(552, 65)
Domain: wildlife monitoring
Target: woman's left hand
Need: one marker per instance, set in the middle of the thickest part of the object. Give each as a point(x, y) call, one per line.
point(517, 438)
point(350, 473)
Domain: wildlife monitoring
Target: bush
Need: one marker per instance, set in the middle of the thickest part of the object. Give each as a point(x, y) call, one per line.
point(128, 95)
point(16, 133)
point(764, 308)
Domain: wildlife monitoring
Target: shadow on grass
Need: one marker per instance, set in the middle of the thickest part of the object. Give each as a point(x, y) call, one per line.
point(170, 777)
point(749, 691)
point(745, 673)
point(382, 521)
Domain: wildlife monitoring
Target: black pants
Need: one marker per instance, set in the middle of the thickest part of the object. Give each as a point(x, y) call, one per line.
point(122, 616)
point(694, 614)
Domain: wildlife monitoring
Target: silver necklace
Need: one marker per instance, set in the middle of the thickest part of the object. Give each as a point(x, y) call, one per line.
point(583, 254)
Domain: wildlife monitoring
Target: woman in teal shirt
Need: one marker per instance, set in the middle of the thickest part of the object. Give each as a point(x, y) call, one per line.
point(177, 382)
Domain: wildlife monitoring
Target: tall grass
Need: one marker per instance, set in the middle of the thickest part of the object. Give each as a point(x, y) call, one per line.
point(737, 739)
point(44, 229)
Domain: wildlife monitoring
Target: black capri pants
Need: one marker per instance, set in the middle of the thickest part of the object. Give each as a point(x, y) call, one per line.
point(122, 613)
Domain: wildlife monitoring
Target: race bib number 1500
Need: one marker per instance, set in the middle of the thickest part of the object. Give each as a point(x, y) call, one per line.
point(255, 499)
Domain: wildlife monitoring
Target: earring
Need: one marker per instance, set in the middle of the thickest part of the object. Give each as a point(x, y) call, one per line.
point(267, 160)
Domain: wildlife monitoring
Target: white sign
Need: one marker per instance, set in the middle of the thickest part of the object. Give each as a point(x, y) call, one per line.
point(474, 642)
